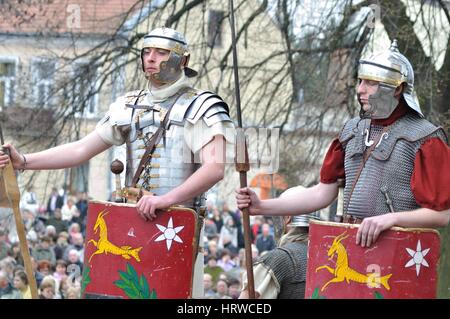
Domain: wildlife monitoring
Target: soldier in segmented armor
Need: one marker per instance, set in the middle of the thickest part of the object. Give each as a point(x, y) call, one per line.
point(394, 162)
point(281, 272)
point(197, 122)
point(188, 159)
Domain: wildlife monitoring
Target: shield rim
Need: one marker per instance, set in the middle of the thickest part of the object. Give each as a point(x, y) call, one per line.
point(395, 228)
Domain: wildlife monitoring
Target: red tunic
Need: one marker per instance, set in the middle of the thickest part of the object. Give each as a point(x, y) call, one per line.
point(430, 181)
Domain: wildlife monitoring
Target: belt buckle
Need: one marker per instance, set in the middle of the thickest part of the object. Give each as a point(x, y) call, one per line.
point(356, 220)
point(352, 219)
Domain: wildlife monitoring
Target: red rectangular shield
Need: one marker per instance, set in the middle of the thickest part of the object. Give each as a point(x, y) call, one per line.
point(401, 264)
point(127, 257)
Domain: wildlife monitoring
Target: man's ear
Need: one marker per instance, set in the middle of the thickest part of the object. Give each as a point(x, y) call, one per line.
point(399, 90)
point(185, 60)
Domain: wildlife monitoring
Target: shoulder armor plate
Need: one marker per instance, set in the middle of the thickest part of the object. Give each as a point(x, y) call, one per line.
point(196, 104)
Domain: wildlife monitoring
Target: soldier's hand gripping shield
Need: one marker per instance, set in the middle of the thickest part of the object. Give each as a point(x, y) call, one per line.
point(402, 264)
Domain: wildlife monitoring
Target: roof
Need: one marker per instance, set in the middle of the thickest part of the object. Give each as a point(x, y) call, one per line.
point(65, 16)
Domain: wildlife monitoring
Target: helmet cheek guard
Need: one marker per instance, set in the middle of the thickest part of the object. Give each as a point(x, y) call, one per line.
point(381, 104)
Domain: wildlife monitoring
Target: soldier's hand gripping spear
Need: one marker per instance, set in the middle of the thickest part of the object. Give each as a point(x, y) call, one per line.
point(10, 198)
point(241, 160)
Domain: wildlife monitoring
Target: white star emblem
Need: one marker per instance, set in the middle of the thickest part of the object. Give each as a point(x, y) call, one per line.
point(417, 257)
point(169, 233)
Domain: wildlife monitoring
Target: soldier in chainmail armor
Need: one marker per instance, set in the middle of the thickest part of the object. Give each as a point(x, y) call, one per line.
point(395, 163)
point(188, 159)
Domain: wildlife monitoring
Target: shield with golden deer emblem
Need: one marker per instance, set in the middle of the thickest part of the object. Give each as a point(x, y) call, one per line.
point(402, 263)
point(127, 257)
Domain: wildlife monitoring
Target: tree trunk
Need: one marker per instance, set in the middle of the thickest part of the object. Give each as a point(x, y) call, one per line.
point(432, 87)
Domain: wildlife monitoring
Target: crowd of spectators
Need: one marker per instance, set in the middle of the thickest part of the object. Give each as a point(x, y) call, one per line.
point(224, 249)
point(55, 232)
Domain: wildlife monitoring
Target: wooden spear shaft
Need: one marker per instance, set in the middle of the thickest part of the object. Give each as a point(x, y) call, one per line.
point(243, 166)
point(242, 162)
point(8, 174)
point(13, 194)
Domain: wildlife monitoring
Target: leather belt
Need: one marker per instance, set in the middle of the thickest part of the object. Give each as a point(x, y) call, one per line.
point(349, 219)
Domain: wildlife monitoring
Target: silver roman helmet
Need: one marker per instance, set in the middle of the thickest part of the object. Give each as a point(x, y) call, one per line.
point(303, 220)
point(175, 42)
point(391, 69)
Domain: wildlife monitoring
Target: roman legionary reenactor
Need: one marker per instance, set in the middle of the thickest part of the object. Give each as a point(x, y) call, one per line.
point(176, 137)
point(395, 165)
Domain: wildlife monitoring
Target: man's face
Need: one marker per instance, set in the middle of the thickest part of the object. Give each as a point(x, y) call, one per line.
point(265, 229)
point(365, 89)
point(73, 257)
point(48, 292)
point(152, 58)
point(212, 262)
point(222, 287)
point(78, 240)
point(234, 291)
point(212, 247)
point(207, 281)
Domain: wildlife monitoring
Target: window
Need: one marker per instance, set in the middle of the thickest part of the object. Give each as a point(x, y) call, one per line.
point(7, 81)
point(215, 28)
point(43, 74)
point(84, 95)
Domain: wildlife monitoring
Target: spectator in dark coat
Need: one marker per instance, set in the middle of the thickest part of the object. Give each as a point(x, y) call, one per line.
point(265, 241)
point(56, 221)
point(55, 201)
point(45, 251)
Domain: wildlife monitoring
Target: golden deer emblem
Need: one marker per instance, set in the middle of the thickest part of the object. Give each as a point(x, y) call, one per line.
point(342, 271)
point(104, 246)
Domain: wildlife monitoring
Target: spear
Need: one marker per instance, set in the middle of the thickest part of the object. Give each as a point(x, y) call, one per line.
point(241, 160)
point(10, 198)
